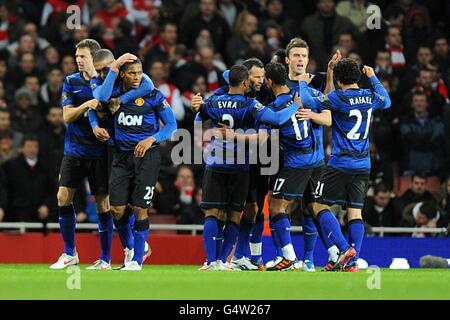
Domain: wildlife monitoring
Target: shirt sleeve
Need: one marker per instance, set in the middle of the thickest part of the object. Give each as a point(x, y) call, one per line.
point(320, 103)
point(170, 123)
point(263, 114)
point(382, 99)
point(104, 91)
point(66, 94)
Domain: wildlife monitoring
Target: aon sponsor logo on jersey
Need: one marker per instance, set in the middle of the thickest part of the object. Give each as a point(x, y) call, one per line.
point(130, 120)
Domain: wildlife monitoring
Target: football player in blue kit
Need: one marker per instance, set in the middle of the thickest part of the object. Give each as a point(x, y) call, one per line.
point(345, 180)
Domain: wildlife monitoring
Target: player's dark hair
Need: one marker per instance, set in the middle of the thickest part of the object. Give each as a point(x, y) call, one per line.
point(91, 44)
point(238, 73)
point(166, 24)
point(419, 174)
point(103, 55)
point(29, 137)
point(125, 67)
point(296, 43)
point(184, 166)
point(253, 62)
point(429, 209)
point(347, 71)
point(276, 72)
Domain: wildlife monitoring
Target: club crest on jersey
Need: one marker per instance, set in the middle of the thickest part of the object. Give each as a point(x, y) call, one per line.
point(139, 102)
point(227, 104)
point(129, 120)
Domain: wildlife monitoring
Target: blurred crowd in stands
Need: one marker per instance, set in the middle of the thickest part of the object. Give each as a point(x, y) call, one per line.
point(185, 46)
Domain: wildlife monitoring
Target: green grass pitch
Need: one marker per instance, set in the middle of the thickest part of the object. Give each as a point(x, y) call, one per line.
point(185, 282)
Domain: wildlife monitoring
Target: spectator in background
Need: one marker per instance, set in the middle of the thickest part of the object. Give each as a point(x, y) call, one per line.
point(383, 63)
point(424, 83)
point(193, 213)
point(164, 49)
point(198, 86)
point(5, 125)
point(417, 192)
point(230, 9)
point(423, 215)
point(107, 19)
point(3, 194)
point(50, 92)
point(212, 67)
point(418, 32)
point(32, 84)
point(356, 11)
point(68, 65)
point(441, 52)
point(379, 210)
point(258, 48)
point(322, 31)
point(25, 67)
point(30, 185)
point(29, 29)
point(239, 44)
point(444, 201)
point(24, 118)
point(422, 138)
point(158, 73)
point(51, 139)
point(275, 14)
point(394, 44)
point(179, 195)
point(7, 150)
point(51, 56)
point(123, 41)
point(207, 18)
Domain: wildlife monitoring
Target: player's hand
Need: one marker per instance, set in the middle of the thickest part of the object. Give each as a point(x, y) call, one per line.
point(368, 71)
point(222, 132)
point(431, 223)
point(143, 146)
point(125, 58)
point(305, 77)
point(43, 212)
point(114, 105)
point(196, 102)
point(94, 104)
point(297, 100)
point(304, 114)
point(81, 217)
point(334, 59)
point(101, 134)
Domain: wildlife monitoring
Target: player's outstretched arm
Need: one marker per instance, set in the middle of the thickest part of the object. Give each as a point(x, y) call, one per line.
point(144, 88)
point(377, 86)
point(103, 92)
point(307, 99)
point(276, 118)
point(223, 132)
point(323, 118)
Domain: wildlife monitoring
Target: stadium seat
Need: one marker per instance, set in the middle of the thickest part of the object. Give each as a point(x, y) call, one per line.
point(163, 219)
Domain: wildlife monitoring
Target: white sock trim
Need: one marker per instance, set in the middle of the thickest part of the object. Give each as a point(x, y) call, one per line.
point(256, 249)
point(288, 252)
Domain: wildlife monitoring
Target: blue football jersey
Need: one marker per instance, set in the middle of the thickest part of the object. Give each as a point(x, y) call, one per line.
point(138, 120)
point(238, 112)
point(80, 140)
point(352, 112)
point(317, 129)
point(297, 138)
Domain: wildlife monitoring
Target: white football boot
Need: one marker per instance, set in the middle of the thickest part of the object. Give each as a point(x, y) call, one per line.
point(100, 265)
point(64, 261)
point(132, 266)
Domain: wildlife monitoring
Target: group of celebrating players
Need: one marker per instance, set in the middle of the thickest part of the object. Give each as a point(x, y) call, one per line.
point(298, 112)
point(113, 114)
